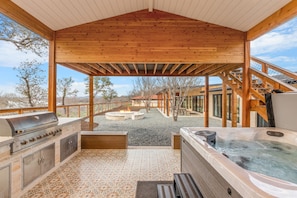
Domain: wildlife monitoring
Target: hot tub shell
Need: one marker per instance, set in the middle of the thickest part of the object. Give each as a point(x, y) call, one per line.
point(217, 176)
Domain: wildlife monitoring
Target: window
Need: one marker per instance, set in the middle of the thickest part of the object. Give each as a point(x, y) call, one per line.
point(200, 104)
point(217, 106)
point(261, 122)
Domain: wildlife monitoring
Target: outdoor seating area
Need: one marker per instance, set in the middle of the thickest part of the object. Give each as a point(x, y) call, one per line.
point(198, 139)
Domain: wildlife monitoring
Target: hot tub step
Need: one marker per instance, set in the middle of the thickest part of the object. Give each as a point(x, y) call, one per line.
point(185, 186)
point(165, 191)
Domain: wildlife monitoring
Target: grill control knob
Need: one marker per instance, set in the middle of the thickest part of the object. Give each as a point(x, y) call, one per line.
point(24, 142)
point(19, 131)
point(38, 137)
point(32, 139)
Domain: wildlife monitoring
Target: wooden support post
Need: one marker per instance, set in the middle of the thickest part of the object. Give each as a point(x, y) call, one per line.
point(52, 77)
point(164, 103)
point(224, 104)
point(246, 86)
point(206, 102)
point(91, 101)
point(168, 104)
point(234, 108)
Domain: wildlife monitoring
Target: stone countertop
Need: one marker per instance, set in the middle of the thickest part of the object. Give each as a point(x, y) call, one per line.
point(63, 121)
point(5, 140)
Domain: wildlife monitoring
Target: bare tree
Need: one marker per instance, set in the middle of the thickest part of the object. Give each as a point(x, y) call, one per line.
point(30, 84)
point(24, 39)
point(146, 87)
point(101, 84)
point(178, 88)
point(64, 87)
point(109, 94)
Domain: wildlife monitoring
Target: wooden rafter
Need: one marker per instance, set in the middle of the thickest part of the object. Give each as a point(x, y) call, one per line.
point(125, 66)
point(117, 68)
point(145, 69)
point(212, 69)
point(135, 68)
point(174, 67)
point(16, 13)
point(107, 67)
point(279, 17)
point(202, 68)
point(164, 68)
point(155, 68)
point(183, 68)
point(192, 68)
point(98, 68)
point(74, 67)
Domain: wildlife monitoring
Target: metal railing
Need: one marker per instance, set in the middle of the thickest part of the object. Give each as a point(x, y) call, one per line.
point(73, 110)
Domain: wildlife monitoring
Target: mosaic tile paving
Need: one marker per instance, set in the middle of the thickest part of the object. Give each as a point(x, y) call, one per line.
point(108, 173)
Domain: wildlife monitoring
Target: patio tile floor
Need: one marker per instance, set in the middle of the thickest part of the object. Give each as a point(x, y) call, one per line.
point(108, 172)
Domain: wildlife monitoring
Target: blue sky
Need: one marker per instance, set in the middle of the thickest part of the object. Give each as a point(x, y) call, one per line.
point(278, 47)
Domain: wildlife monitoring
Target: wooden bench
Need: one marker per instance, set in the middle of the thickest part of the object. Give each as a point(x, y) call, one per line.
point(104, 139)
point(175, 140)
point(185, 186)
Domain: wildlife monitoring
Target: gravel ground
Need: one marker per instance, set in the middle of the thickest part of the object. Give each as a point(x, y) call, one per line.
point(154, 130)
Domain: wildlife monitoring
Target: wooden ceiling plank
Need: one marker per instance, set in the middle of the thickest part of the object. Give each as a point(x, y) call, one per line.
point(135, 68)
point(279, 17)
point(116, 68)
point(125, 66)
point(164, 68)
point(174, 67)
point(16, 13)
point(183, 68)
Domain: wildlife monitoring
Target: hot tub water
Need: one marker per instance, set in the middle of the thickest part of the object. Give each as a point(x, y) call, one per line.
point(270, 158)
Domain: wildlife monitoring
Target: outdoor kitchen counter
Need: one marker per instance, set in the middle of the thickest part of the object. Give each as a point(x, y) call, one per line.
point(5, 141)
point(63, 121)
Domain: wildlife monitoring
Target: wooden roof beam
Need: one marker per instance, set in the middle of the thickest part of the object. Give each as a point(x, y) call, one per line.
point(155, 68)
point(135, 68)
point(202, 68)
point(164, 68)
point(279, 17)
point(125, 66)
point(76, 68)
point(97, 67)
point(13, 11)
point(145, 69)
point(107, 67)
point(183, 68)
point(117, 68)
point(174, 67)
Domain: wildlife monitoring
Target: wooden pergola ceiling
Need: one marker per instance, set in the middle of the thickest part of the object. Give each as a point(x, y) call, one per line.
point(151, 69)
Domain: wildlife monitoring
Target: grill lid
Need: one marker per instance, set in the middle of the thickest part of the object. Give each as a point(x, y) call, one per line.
point(24, 123)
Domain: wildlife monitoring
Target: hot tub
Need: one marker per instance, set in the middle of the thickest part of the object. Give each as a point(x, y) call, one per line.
point(217, 176)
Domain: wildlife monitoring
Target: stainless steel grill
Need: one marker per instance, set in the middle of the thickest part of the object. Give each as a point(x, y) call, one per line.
point(29, 129)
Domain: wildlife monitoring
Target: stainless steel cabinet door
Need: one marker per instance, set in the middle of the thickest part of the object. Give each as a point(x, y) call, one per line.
point(47, 156)
point(5, 182)
point(68, 146)
point(31, 168)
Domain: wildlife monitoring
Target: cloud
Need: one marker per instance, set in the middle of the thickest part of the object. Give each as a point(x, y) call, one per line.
point(7, 88)
point(274, 42)
point(10, 57)
point(273, 59)
point(80, 86)
point(122, 89)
